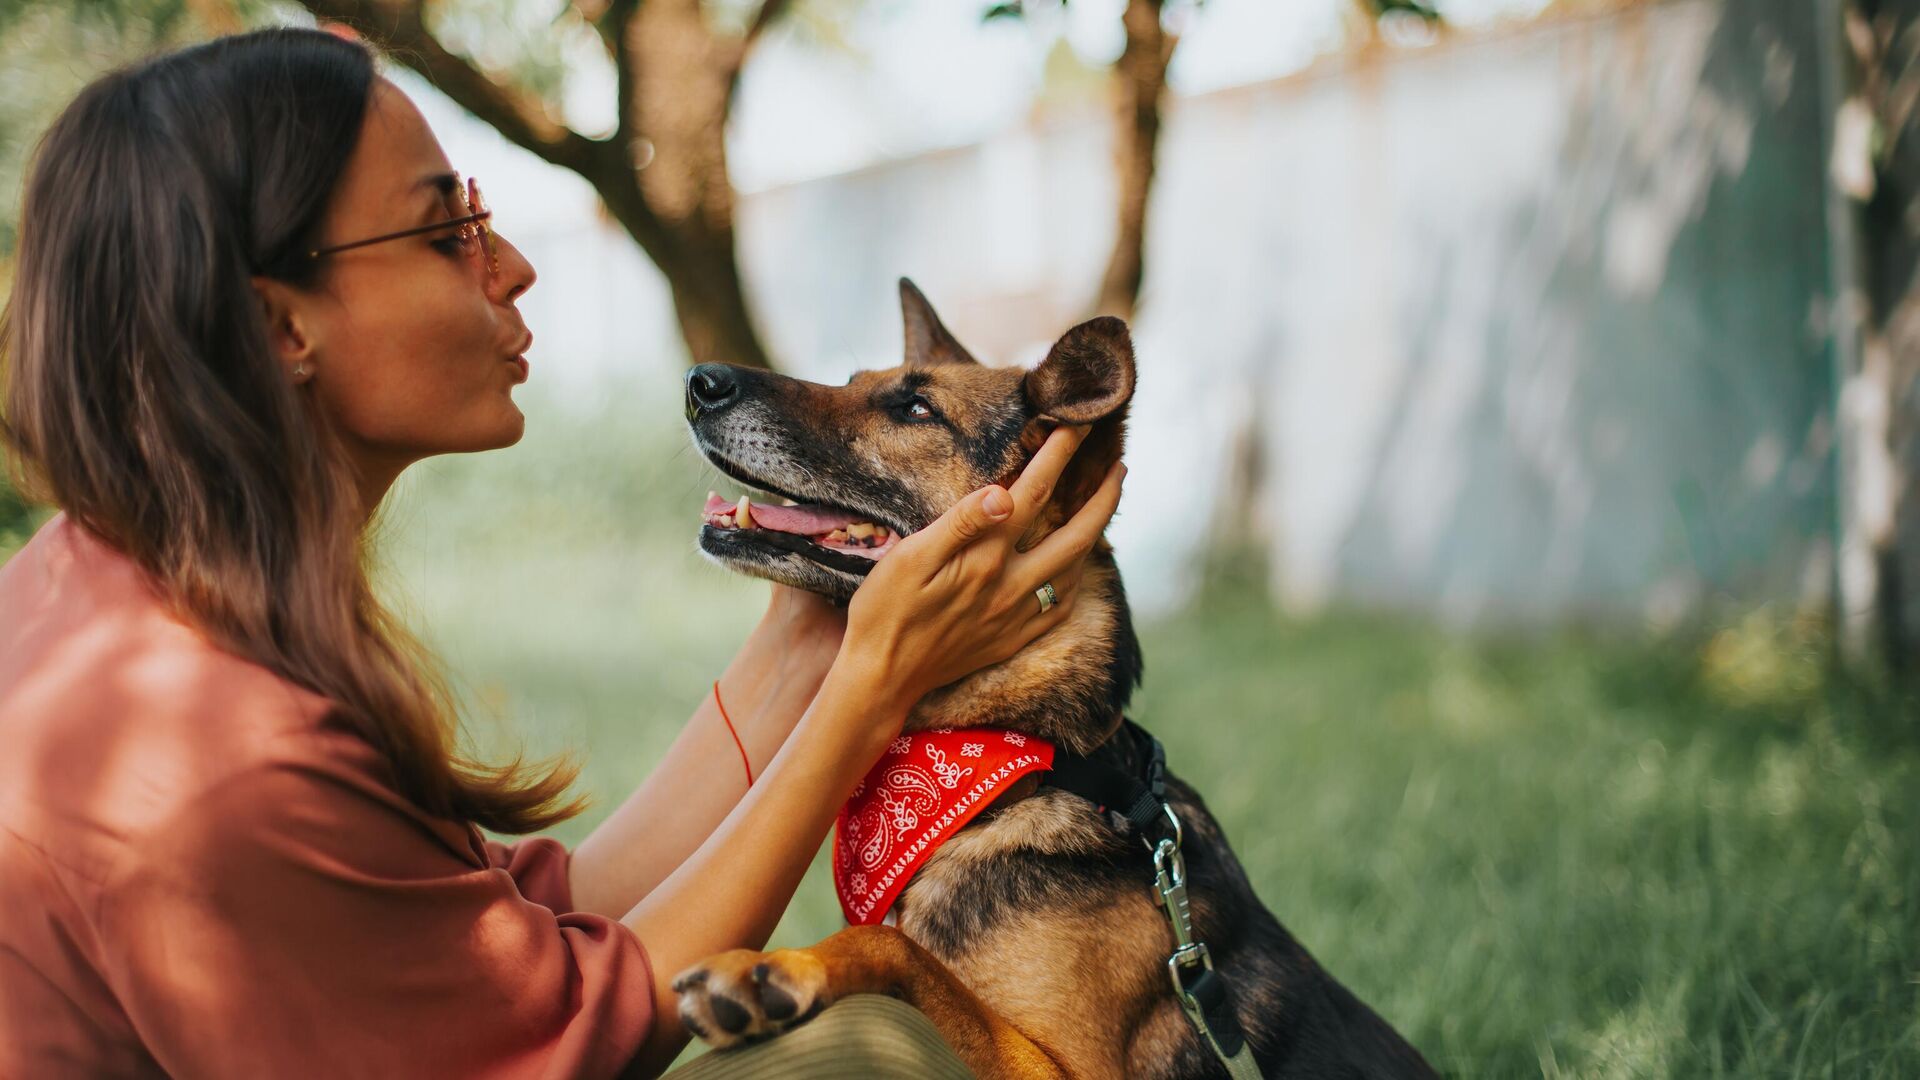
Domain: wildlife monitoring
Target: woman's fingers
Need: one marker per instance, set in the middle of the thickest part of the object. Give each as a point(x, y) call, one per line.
point(971, 517)
point(1035, 484)
point(1067, 546)
point(945, 604)
point(967, 521)
point(1065, 584)
point(1031, 630)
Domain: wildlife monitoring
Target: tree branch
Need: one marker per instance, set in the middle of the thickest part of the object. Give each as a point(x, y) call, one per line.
point(613, 25)
point(769, 13)
point(607, 17)
point(398, 26)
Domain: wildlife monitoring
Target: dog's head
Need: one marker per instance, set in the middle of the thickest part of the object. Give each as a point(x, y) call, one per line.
point(890, 451)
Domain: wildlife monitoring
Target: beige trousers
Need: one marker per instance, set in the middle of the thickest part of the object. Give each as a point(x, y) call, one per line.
point(865, 1036)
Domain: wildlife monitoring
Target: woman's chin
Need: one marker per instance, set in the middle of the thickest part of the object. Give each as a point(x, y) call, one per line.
point(511, 433)
point(499, 433)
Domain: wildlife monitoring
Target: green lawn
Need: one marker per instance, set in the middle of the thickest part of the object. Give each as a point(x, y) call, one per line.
point(1559, 859)
point(1566, 856)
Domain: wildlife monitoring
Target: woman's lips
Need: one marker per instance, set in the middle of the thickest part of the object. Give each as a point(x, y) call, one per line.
point(519, 358)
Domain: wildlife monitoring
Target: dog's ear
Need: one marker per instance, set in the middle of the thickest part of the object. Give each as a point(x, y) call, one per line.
point(1087, 378)
point(928, 342)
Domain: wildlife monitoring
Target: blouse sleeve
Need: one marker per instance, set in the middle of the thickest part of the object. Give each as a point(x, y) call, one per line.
point(538, 865)
point(301, 918)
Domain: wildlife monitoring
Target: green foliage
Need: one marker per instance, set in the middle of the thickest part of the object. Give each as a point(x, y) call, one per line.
point(1559, 857)
point(48, 51)
point(536, 47)
point(1423, 10)
point(17, 519)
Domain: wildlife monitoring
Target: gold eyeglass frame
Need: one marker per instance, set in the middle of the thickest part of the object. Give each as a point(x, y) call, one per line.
point(472, 227)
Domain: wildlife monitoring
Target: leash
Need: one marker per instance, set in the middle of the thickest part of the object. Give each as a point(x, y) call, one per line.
point(1142, 801)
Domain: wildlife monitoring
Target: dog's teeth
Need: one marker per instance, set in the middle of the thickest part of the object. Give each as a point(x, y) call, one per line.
point(880, 534)
point(860, 530)
point(743, 513)
point(838, 536)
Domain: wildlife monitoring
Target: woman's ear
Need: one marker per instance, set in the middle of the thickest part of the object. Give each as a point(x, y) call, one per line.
point(288, 329)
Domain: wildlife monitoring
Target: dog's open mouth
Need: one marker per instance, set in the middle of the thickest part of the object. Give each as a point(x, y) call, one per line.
point(841, 532)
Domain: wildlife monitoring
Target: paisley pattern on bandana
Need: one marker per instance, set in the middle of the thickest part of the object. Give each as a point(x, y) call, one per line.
point(925, 788)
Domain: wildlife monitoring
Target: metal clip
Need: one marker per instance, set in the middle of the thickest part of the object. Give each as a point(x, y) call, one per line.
point(1194, 955)
point(1172, 819)
point(1170, 882)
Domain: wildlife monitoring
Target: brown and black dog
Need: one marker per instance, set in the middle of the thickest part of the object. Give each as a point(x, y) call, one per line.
point(1032, 939)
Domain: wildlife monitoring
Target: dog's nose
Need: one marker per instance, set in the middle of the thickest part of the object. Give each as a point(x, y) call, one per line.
point(710, 387)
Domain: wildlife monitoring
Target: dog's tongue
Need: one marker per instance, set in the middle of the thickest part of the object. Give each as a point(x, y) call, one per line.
point(804, 520)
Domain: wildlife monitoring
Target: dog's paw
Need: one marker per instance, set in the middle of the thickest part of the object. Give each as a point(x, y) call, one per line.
point(739, 996)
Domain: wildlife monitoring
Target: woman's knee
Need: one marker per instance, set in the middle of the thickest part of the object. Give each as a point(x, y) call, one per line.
point(867, 1035)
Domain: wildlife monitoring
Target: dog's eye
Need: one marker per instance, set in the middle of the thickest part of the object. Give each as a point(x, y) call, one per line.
point(917, 409)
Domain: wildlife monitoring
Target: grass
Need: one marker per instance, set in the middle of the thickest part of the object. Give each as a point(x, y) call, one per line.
point(1564, 856)
point(1573, 857)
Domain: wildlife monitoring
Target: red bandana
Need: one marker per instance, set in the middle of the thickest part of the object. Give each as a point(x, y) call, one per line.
point(923, 790)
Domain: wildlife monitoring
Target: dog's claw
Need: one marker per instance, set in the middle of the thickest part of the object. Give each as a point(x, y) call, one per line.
point(688, 980)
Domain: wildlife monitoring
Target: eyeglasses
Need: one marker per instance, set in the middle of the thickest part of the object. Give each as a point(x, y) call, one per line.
point(470, 218)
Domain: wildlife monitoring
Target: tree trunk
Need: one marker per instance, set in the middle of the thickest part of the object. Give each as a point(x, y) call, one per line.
point(663, 174)
point(1871, 84)
point(1891, 334)
point(680, 80)
point(1140, 83)
point(712, 308)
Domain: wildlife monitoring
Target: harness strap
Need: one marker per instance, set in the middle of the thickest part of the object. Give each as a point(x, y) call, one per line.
point(1210, 991)
point(1142, 801)
point(1139, 799)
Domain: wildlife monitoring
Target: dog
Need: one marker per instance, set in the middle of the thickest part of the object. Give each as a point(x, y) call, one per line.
point(1032, 939)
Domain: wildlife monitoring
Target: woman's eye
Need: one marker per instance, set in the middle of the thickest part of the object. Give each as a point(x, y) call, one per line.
point(448, 245)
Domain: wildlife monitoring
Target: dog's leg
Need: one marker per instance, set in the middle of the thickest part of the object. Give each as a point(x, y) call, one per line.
point(740, 995)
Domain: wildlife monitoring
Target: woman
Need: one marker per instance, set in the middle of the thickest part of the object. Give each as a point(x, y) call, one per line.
point(238, 839)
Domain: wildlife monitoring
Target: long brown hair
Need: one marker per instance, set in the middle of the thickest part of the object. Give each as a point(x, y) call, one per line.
point(142, 397)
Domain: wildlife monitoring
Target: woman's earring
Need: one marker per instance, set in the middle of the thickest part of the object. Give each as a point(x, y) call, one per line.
point(299, 371)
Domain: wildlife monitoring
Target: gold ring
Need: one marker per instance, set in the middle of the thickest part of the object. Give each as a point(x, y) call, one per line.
point(1047, 596)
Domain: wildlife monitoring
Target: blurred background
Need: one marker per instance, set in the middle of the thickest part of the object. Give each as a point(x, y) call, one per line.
point(1521, 520)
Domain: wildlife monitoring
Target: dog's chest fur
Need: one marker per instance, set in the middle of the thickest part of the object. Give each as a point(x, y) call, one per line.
point(1046, 909)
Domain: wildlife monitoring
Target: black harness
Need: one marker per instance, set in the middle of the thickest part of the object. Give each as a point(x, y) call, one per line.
point(1142, 800)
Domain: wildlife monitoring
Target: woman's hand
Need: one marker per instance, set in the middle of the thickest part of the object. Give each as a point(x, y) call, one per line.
point(950, 599)
point(958, 595)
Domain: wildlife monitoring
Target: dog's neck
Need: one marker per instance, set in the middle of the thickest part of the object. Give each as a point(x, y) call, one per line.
point(1070, 686)
point(1118, 753)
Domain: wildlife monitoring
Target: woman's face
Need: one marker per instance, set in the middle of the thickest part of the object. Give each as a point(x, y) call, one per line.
point(412, 349)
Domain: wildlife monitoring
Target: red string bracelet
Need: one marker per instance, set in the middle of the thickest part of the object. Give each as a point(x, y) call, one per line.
point(736, 735)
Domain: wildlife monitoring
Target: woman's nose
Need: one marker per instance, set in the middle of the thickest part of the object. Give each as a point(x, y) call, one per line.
point(515, 275)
